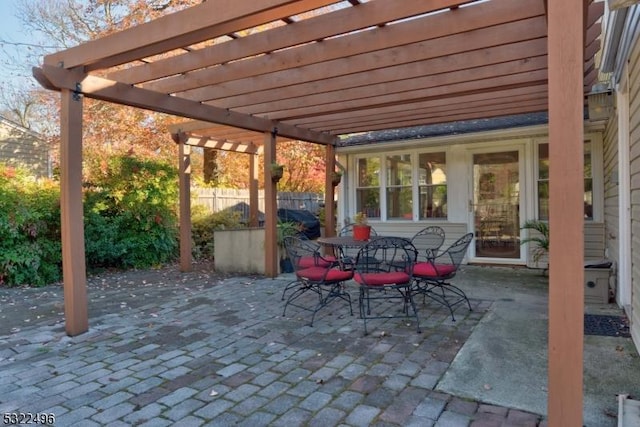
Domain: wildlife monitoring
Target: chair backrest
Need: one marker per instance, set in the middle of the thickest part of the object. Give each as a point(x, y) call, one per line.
point(304, 253)
point(458, 249)
point(386, 254)
point(428, 241)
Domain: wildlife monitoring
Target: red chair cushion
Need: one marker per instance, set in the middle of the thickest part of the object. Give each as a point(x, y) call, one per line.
point(427, 269)
point(384, 278)
point(311, 261)
point(318, 273)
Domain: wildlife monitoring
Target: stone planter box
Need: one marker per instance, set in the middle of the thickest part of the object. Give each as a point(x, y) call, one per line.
point(239, 251)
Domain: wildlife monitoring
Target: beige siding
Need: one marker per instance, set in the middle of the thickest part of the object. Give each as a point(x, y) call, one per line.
point(611, 202)
point(19, 147)
point(634, 130)
point(453, 231)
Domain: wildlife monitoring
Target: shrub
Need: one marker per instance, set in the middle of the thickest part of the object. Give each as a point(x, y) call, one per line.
point(203, 224)
point(30, 250)
point(130, 214)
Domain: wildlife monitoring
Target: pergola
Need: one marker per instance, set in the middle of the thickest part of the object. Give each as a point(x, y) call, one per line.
point(268, 67)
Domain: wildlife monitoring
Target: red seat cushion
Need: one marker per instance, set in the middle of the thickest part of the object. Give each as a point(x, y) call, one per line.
point(381, 279)
point(318, 273)
point(311, 261)
point(427, 269)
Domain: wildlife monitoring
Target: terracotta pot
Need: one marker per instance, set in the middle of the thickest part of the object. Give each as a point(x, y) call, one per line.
point(361, 232)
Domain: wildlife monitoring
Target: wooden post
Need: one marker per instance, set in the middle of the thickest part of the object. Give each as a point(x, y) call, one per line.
point(329, 208)
point(270, 208)
point(253, 189)
point(566, 217)
point(71, 216)
point(184, 179)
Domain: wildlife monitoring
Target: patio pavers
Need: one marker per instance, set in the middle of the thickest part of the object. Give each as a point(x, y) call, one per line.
point(194, 349)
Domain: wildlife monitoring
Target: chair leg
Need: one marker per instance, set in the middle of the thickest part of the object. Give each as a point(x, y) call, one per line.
point(437, 291)
point(289, 286)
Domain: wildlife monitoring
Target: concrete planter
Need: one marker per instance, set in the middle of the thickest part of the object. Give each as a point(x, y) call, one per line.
point(240, 251)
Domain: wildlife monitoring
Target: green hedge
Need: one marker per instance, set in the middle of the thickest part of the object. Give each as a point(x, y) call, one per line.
point(29, 229)
point(130, 220)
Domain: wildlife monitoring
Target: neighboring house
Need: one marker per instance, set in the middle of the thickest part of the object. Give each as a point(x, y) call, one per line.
point(20, 146)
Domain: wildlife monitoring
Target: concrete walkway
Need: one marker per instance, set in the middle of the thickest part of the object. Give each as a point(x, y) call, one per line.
point(195, 349)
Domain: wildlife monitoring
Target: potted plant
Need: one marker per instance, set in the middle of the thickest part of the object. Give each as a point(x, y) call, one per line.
point(285, 229)
point(277, 170)
point(361, 227)
point(336, 177)
point(540, 238)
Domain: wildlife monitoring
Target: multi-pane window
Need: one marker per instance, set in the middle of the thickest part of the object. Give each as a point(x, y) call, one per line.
point(368, 186)
point(432, 185)
point(397, 178)
point(543, 182)
point(399, 189)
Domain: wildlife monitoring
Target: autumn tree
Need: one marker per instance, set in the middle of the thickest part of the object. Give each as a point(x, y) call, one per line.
point(111, 129)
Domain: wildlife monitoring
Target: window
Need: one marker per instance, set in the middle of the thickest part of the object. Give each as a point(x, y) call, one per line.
point(399, 187)
point(432, 176)
point(543, 182)
point(397, 178)
point(368, 186)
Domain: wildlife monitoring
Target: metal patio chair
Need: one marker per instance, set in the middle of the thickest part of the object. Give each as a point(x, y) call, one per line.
point(315, 274)
point(432, 277)
point(384, 272)
point(428, 242)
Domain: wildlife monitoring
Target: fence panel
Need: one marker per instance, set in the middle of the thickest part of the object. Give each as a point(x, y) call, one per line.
point(219, 199)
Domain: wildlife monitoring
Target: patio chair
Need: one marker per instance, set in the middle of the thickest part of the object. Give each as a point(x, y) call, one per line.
point(432, 277)
point(384, 272)
point(315, 274)
point(428, 242)
point(325, 258)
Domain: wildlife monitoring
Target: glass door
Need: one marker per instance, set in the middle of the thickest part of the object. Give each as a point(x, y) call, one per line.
point(496, 204)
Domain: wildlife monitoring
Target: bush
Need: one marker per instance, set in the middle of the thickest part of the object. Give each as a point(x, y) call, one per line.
point(130, 220)
point(30, 251)
point(130, 214)
point(203, 224)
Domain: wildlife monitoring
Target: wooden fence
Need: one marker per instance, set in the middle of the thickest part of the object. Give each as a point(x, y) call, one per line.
point(219, 199)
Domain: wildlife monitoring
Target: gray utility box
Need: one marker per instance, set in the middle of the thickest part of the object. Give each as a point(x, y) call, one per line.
point(596, 281)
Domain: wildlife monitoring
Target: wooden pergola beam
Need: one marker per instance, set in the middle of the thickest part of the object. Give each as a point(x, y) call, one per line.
point(385, 46)
point(315, 28)
point(180, 29)
point(233, 146)
point(566, 190)
point(71, 215)
point(120, 93)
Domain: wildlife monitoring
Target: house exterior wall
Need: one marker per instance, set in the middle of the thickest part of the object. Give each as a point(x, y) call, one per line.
point(634, 169)
point(459, 154)
point(21, 147)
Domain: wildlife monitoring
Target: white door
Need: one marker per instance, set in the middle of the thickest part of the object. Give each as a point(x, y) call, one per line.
point(496, 206)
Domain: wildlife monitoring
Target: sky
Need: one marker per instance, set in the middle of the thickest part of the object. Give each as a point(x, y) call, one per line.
point(11, 32)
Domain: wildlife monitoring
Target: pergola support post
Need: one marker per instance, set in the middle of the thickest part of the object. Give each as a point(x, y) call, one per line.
point(184, 183)
point(71, 215)
point(253, 190)
point(566, 220)
point(329, 207)
point(270, 208)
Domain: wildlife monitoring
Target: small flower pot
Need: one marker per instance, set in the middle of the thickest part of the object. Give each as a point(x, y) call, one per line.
point(361, 232)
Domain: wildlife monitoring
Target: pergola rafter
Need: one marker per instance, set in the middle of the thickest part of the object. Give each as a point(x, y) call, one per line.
point(314, 70)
